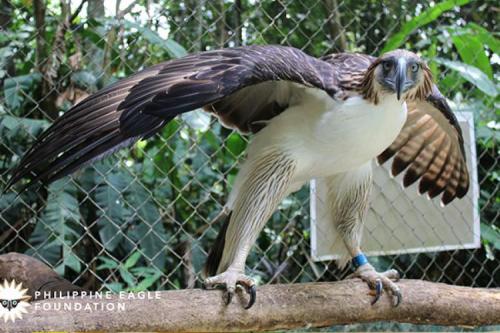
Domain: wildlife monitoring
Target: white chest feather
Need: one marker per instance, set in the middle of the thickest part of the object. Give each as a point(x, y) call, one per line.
point(356, 131)
point(325, 137)
point(328, 137)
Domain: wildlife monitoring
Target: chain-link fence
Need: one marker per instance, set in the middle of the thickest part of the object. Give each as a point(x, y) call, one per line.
point(143, 218)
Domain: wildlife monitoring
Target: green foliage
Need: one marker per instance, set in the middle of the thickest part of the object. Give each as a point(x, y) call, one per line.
point(426, 17)
point(85, 79)
point(467, 46)
point(490, 235)
point(132, 277)
point(16, 87)
point(486, 37)
point(112, 211)
point(11, 126)
point(471, 74)
point(145, 213)
point(58, 229)
point(172, 47)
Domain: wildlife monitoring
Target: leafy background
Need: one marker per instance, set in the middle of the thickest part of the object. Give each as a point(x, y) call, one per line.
point(143, 219)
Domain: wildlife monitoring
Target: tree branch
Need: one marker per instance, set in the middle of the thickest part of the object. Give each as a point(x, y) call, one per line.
point(34, 275)
point(337, 33)
point(39, 13)
point(120, 14)
point(77, 11)
point(50, 69)
point(277, 307)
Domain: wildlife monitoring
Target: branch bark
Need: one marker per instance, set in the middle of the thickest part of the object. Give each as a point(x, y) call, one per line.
point(238, 24)
point(39, 13)
point(277, 307)
point(50, 69)
point(95, 8)
point(34, 275)
point(77, 11)
point(337, 33)
point(221, 24)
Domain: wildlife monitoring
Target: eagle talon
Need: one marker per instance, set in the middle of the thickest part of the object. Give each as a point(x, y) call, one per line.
point(229, 297)
point(379, 281)
point(397, 297)
point(252, 291)
point(378, 291)
point(230, 280)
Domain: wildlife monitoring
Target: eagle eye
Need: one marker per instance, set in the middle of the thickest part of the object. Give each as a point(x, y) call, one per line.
point(387, 65)
point(415, 67)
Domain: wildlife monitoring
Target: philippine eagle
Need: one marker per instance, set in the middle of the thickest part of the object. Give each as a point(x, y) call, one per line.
point(310, 118)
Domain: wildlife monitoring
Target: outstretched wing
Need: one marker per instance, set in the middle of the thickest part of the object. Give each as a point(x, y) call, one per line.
point(350, 69)
point(242, 86)
point(430, 147)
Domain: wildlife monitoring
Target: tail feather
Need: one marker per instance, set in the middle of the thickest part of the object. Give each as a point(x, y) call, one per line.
point(215, 255)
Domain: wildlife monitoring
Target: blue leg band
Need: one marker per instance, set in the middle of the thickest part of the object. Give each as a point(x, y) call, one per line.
point(359, 260)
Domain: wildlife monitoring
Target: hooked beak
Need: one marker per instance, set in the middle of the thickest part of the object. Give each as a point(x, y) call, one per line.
point(400, 77)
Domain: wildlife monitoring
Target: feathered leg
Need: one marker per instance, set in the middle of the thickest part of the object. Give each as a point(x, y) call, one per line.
point(348, 195)
point(264, 186)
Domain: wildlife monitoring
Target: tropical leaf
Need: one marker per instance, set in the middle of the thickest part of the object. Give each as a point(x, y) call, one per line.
point(173, 48)
point(58, 229)
point(85, 80)
point(471, 74)
point(107, 263)
point(147, 282)
point(5, 54)
point(426, 17)
point(112, 211)
point(471, 52)
point(114, 286)
point(31, 126)
point(16, 88)
point(235, 144)
point(132, 260)
point(491, 234)
point(485, 37)
point(129, 279)
point(149, 232)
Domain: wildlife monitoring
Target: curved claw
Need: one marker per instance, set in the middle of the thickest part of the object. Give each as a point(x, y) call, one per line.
point(230, 281)
point(229, 297)
point(378, 290)
point(252, 291)
point(398, 298)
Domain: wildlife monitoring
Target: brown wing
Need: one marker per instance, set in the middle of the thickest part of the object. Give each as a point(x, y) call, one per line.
point(249, 108)
point(139, 106)
point(350, 69)
point(430, 147)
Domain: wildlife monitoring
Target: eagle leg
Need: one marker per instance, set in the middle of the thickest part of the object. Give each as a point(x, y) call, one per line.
point(379, 282)
point(230, 280)
point(348, 195)
point(259, 190)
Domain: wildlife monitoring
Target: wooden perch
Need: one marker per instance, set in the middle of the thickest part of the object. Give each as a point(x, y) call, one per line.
point(34, 275)
point(277, 307)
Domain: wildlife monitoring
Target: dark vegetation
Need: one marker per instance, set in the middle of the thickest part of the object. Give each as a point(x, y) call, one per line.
point(142, 218)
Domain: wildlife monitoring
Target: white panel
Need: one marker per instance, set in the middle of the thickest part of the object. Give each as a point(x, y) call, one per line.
point(400, 220)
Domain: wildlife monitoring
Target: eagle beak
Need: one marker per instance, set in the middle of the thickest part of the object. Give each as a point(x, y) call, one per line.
point(400, 77)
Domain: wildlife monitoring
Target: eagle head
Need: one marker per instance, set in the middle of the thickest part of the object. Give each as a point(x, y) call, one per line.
point(398, 72)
